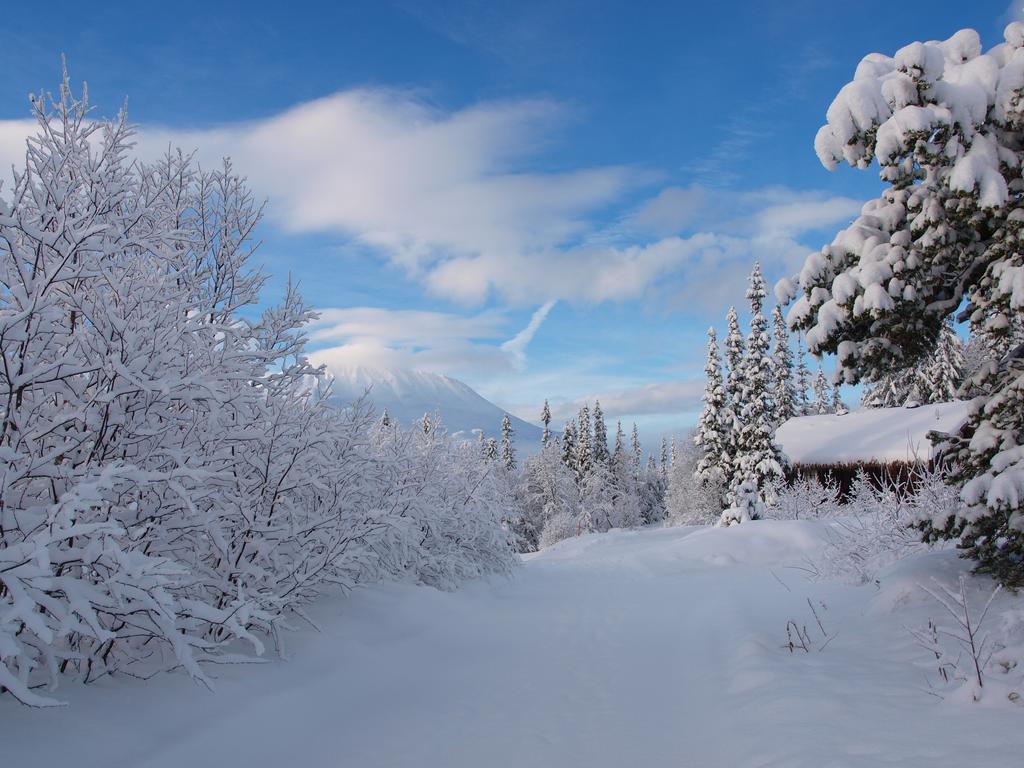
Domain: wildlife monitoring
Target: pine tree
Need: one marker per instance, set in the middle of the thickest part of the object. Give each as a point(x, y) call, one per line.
point(600, 446)
point(673, 453)
point(822, 395)
point(508, 453)
point(491, 451)
point(942, 376)
point(803, 379)
point(385, 420)
point(545, 419)
point(569, 445)
point(836, 404)
point(945, 232)
point(620, 443)
point(712, 436)
point(663, 463)
point(638, 452)
point(584, 453)
point(784, 392)
point(734, 352)
point(758, 458)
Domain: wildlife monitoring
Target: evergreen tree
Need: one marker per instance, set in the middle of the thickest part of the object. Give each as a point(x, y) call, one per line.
point(584, 453)
point(663, 464)
point(569, 445)
point(942, 376)
point(836, 404)
point(945, 232)
point(491, 451)
point(638, 452)
point(620, 444)
point(784, 394)
point(712, 437)
point(385, 420)
point(803, 379)
point(508, 453)
point(673, 453)
point(545, 419)
point(822, 395)
point(731, 409)
point(758, 458)
point(600, 446)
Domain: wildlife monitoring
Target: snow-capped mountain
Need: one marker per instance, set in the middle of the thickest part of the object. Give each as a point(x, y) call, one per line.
point(408, 394)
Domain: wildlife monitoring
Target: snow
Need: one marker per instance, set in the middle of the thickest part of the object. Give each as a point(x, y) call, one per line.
point(870, 434)
point(408, 394)
point(652, 648)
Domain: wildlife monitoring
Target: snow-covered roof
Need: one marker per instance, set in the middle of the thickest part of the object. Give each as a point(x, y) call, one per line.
point(869, 434)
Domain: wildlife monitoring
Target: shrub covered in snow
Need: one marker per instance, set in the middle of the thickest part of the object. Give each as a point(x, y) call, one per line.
point(173, 481)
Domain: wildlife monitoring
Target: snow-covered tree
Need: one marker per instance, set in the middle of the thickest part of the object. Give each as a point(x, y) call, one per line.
point(713, 466)
point(663, 459)
point(385, 419)
point(784, 391)
point(638, 452)
point(758, 458)
point(569, 445)
point(803, 380)
point(619, 454)
point(508, 451)
point(600, 445)
point(836, 404)
point(935, 379)
point(545, 419)
point(690, 500)
point(584, 459)
point(549, 493)
point(822, 393)
point(174, 482)
point(734, 353)
point(943, 120)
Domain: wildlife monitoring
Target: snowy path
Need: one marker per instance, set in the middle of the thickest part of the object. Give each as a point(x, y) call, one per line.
point(652, 648)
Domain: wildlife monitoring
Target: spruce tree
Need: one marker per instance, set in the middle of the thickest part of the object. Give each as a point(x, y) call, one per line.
point(673, 453)
point(732, 408)
point(491, 450)
point(663, 464)
point(758, 458)
point(569, 445)
point(803, 379)
point(784, 392)
point(944, 372)
point(584, 452)
point(822, 394)
point(638, 452)
point(712, 437)
point(620, 443)
point(836, 404)
point(600, 446)
point(545, 419)
point(385, 420)
point(508, 453)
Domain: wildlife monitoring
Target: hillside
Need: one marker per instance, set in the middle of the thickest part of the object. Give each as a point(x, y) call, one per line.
point(408, 394)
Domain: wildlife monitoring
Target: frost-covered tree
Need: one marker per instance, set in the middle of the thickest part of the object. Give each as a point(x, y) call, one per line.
point(638, 452)
point(690, 500)
point(943, 120)
point(836, 404)
point(784, 392)
point(619, 454)
point(822, 393)
point(584, 458)
point(663, 459)
point(545, 419)
point(173, 480)
point(713, 466)
point(385, 419)
point(549, 494)
point(569, 445)
point(803, 380)
point(508, 450)
point(758, 458)
point(600, 445)
point(935, 379)
point(734, 353)
point(491, 450)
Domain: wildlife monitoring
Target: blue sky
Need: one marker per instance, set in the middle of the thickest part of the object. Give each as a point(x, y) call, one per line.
point(544, 199)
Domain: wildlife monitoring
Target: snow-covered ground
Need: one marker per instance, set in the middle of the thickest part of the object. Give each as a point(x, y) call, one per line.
point(642, 648)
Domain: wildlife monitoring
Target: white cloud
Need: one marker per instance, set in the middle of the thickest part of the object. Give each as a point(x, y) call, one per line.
point(516, 346)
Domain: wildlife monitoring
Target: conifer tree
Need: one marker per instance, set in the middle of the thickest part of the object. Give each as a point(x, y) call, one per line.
point(620, 443)
point(731, 409)
point(584, 453)
point(803, 379)
point(758, 458)
point(508, 453)
point(784, 393)
point(638, 452)
point(569, 445)
point(673, 453)
point(822, 395)
point(712, 436)
point(944, 372)
point(545, 419)
point(600, 446)
point(385, 420)
point(491, 451)
point(663, 463)
point(836, 404)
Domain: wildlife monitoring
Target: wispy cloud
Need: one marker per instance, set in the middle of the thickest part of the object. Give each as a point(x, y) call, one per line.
point(516, 346)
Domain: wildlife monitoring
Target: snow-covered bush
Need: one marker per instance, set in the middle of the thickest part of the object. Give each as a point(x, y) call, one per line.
point(804, 498)
point(173, 480)
point(691, 499)
point(747, 505)
point(943, 120)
